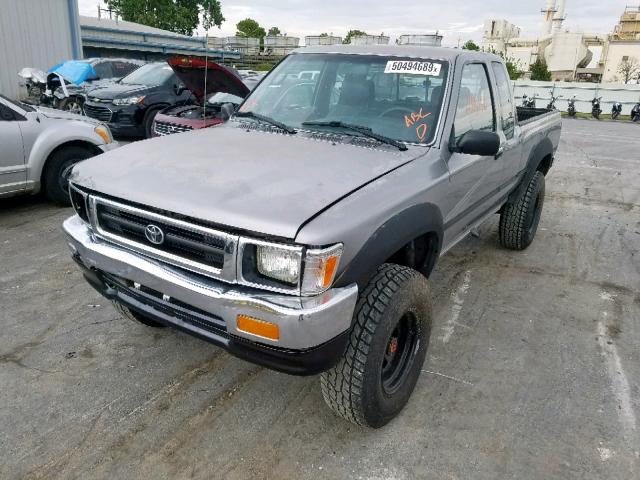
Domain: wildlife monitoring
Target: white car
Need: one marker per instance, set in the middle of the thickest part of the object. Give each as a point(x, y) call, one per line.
point(40, 145)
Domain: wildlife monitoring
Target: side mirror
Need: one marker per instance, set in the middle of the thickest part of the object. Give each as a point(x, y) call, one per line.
point(226, 110)
point(478, 142)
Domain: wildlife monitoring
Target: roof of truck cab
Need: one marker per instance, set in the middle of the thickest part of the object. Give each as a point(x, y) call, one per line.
point(414, 51)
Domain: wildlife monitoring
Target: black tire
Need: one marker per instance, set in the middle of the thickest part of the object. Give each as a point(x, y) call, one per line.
point(57, 170)
point(519, 220)
point(71, 104)
point(135, 316)
point(374, 379)
point(148, 121)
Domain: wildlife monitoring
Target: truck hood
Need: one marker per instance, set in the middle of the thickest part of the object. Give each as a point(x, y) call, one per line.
point(114, 90)
point(250, 180)
point(63, 115)
point(218, 78)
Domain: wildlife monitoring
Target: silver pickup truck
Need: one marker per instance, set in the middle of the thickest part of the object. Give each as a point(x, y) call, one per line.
point(38, 147)
point(301, 234)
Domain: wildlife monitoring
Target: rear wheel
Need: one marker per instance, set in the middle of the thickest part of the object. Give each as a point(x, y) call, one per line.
point(135, 316)
point(378, 372)
point(58, 169)
point(519, 220)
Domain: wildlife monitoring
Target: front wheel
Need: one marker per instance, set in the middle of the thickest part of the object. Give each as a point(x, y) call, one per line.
point(57, 171)
point(71, 105)
point(388, 343)
point(147, 122)
point(519, 220)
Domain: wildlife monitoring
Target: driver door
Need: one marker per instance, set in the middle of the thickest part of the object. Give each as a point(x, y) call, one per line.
point(13, 172)
point(474, 178)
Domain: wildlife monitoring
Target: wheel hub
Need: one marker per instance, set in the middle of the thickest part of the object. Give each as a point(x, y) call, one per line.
point(399, 353)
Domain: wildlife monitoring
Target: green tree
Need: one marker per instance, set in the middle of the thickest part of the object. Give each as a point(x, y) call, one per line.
point(324, 34)
point(249, 28)
point(539, 70)
point(471, 45)
point(513, 68)
point(351, 34)
point(273, 31)
point(179, 16)
point(513, 65)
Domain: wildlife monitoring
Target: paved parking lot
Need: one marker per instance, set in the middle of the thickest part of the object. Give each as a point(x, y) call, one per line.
point(533, 372)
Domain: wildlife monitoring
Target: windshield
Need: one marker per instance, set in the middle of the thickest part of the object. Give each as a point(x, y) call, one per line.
point(399, 98)
point(149, 75)
point(22, 105)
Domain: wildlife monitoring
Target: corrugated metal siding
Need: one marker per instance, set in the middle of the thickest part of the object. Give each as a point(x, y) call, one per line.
point(33, 33)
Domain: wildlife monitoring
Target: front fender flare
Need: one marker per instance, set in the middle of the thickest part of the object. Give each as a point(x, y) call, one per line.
point(389, 238)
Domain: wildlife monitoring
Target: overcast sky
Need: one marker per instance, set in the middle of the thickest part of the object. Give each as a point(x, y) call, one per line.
point(456, 19)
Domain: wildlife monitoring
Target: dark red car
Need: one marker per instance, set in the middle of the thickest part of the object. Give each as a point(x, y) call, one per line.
point(223, 85)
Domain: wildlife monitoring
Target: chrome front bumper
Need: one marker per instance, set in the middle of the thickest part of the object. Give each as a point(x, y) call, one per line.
point(303, 322)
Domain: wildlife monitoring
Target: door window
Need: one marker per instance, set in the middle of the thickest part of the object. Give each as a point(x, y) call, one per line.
point(474, 110)
point(506, 100)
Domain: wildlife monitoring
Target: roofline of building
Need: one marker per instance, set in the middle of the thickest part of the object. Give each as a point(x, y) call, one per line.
point(101, 41)
point(200, 40)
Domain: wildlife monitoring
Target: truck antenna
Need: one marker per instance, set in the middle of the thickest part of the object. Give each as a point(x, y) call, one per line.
point(206, 68)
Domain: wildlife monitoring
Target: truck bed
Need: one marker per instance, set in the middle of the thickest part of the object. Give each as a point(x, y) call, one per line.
point(526, 115)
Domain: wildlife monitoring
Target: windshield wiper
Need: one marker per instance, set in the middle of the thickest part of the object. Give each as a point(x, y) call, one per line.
point(265, 119)
point(366, 131)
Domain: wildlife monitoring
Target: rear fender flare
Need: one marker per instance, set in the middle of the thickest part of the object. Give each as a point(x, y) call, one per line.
point(538, 154)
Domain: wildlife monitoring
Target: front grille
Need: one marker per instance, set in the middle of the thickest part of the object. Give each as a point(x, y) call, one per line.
point(101, 113)
point(164, 128)
point(191, 246)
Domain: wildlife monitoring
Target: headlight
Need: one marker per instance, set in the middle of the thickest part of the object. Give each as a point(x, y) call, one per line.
point(128, 100)
point(278, 263)
point(287, 268)
point(104, 133)
point(79, 202)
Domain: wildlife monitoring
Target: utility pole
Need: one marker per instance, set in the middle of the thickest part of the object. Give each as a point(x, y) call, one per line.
point(100, 10)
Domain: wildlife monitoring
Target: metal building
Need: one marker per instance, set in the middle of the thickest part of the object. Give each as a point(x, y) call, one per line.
point(35, 33)
point(105, 37)
point(427, 40)
point(244, 45)
point(369, 40)
point(312, 40)
point(280, 45)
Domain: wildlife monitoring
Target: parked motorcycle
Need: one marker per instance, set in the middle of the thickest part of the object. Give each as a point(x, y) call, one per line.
point(552, 102)
point(616, 110)
point(635, 113)
point(571, 110)
point(529, 102)
point(595, 108)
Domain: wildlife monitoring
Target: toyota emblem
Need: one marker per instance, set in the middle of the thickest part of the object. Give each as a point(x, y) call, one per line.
point(154, 234)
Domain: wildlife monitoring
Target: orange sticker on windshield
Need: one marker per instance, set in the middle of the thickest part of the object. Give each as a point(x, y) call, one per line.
point(413, 118)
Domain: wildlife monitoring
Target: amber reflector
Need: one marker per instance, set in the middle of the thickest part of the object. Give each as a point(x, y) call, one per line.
point(257, 327)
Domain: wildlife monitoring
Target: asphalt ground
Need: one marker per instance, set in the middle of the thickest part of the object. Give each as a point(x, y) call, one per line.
point(533, 370)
